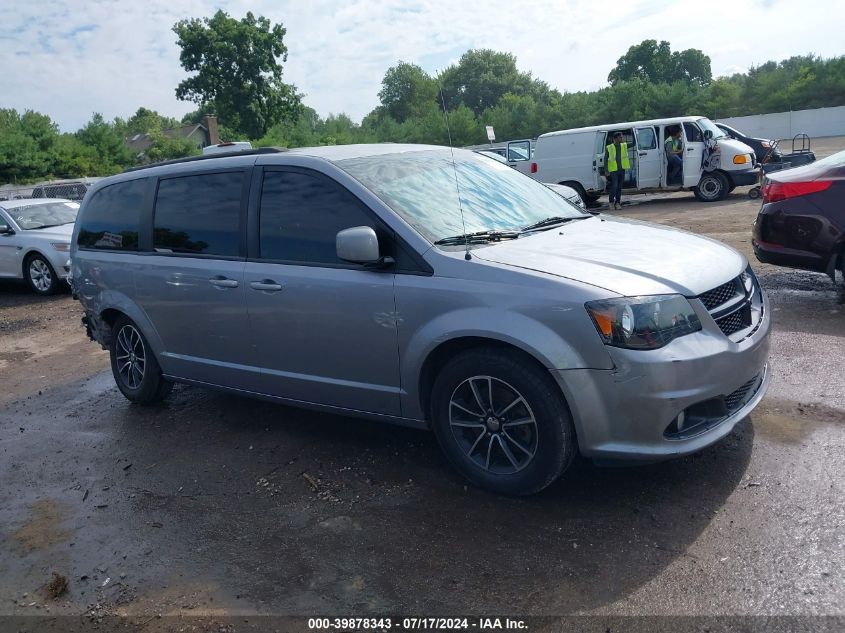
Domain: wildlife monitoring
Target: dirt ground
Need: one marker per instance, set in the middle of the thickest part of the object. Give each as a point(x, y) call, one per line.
point(216, 505)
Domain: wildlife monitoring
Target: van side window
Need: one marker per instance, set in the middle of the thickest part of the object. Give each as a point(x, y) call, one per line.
point(301, 216)
point(692, 132)
point(199, 214)
point(111, 218)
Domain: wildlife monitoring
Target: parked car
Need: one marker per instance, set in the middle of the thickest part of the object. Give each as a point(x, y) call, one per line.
point(802, 220)
point(762, 146)
point(64, 189)
point(35, 241)
point(427, 287)
point(576, 158)
point(228, 147)
point(567, 193)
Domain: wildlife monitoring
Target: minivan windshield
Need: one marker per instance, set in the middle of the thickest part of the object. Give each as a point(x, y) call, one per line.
point(41, 216)
point(707, 124)
point(420, 186)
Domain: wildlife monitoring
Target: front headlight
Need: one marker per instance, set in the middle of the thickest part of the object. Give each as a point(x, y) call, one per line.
point(643, 322)
point(62, 247)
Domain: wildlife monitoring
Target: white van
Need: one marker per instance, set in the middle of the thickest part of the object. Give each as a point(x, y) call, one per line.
point(713, 163)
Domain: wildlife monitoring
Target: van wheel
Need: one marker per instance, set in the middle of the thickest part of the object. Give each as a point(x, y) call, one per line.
point(134, 366)
point(40, 275)
point(712, 186)
point(502, 422)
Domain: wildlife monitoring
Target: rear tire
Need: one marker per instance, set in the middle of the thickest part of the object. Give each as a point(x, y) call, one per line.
point(502, 422)
point(712, 186)
point(134, 366)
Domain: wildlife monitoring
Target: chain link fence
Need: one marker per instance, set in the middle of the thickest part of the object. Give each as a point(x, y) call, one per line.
point(66, 189)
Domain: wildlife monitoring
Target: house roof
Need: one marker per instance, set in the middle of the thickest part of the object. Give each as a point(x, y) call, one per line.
point(142, 142)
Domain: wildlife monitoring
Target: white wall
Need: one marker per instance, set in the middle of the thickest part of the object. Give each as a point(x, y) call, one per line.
point(785, 125)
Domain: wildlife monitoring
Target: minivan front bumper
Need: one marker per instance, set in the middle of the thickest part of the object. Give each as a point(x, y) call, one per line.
point(632, 412)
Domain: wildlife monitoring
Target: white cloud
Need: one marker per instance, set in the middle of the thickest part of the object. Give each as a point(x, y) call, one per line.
point(69, 58)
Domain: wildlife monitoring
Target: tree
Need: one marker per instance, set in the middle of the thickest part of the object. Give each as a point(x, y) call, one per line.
point(407, 90)
point(481, 78)
point(238, 74)
point(108, 143)
point(656, 63)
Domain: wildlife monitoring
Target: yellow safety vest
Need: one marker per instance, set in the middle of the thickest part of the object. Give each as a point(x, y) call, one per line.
point(611, 157)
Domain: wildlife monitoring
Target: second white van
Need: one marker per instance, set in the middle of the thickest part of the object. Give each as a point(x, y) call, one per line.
point(712, 163)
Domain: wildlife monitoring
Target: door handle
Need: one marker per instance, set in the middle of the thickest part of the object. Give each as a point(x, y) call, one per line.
point(223, 282)
point(267, 285)
point(643, 153)
point(689, 149)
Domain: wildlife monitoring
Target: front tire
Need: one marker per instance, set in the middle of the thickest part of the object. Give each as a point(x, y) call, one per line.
point(502, 422)
point(712, 186)
point(40, 275)
point(134, 366)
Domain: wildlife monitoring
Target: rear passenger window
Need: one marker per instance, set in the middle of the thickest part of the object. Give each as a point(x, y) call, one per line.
point(301, 216)
point(199, 214)
point(111, 218)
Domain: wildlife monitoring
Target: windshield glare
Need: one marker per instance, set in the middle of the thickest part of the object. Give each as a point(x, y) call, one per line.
point(420, 187)
point(37, 216)
point(707, 124)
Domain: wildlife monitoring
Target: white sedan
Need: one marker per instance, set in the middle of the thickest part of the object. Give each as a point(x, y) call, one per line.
point(35, 241)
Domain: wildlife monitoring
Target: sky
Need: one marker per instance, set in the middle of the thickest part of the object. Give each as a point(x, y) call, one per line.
point(71, 58)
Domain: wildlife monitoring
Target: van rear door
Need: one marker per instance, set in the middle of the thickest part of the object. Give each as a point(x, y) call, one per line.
point(599, 181)
point(520, 154)
point(648, 158)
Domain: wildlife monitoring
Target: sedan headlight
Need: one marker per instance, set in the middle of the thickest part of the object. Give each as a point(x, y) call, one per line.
point(643, 322)
point(62, 247)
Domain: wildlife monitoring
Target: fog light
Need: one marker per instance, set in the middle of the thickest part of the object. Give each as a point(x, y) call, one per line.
point(679, 421)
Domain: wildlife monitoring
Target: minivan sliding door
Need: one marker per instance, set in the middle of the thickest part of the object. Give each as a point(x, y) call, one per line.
point(191, 286)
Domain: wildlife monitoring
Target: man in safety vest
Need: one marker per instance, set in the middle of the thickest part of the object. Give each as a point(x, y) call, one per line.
point(616, 161)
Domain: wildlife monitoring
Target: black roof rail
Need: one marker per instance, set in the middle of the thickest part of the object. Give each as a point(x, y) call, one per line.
point(190, 159)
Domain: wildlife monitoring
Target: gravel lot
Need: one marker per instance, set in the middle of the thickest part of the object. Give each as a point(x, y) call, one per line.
point(216, 505)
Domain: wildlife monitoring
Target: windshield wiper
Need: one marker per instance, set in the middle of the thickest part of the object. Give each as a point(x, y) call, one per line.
point(50, 226)
point(552, 221)
point(479, 237)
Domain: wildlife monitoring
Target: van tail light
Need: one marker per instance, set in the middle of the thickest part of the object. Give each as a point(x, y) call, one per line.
point(774, 191)
point(533, 168)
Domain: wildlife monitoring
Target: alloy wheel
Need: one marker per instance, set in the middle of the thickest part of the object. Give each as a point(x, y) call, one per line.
point(131, 356)
point(493, 425)
point(39, 273)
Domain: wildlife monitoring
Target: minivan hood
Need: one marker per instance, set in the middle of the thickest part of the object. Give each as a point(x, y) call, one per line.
point(628, 257)
point(62, 232)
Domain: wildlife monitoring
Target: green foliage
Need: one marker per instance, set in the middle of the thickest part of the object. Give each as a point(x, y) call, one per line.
point(481, 78)
point(407, 91)
point(656, 63)
point(237, 71)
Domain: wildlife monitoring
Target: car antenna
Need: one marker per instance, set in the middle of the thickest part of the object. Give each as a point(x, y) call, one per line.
point(467, 256)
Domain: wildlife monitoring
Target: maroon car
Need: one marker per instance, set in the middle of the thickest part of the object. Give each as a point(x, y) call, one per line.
point(802, 221)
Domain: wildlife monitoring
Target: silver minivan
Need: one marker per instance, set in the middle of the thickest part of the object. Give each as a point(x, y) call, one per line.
point(430, 288)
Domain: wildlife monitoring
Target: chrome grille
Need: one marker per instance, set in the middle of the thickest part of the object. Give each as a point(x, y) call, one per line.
point(718, 296)
point(735, 321)
point(730, 303)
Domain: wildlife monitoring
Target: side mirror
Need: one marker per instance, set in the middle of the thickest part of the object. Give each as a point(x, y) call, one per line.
point(5, 229)
point(359, 245)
